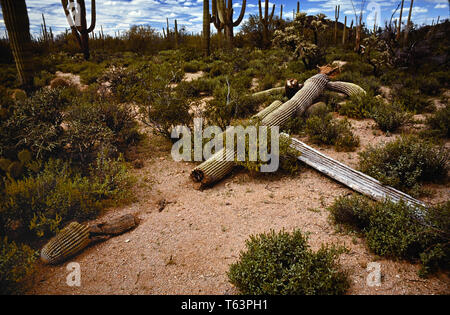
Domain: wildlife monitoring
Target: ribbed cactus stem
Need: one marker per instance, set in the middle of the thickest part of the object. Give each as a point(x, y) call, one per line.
point(206, 28)
point(281, 12)
point(266, 19)
point(17, 24)
point(176, 34)
point(225, 14)
point(312, 88)
point(347, 88)
point(68, 242)
point(336, 18)
point(76, 16)
point(344, 30)
point(221, 163)
point(266, 111)
point(399, 27)
point(408, 24)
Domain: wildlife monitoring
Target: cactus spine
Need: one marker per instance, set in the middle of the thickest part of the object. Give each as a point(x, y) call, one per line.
point(69, 241)
point(225, 14)
point(408, 24)
point(76, 17)
point(336, 18)
point(17, 24)
point(206, 28)
point(266, 19)
point(399, 27)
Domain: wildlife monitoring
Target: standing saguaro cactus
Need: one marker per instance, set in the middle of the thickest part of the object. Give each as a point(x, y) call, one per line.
point(336, 18)
point(225, 15)
point(344, 30)
point(76, 17)
point(266, 19)
point(408, 24)
point(17, 24)
point(399, 27)
point(206, 28)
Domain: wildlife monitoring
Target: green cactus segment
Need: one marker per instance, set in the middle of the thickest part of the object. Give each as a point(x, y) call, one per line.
point(266, 19)
point(206, 28)
point(225, 16)
point(15, 15)
point(276, 114)
point(347, 88)
point(266, 111)
point(68, 242)
point(297, 105)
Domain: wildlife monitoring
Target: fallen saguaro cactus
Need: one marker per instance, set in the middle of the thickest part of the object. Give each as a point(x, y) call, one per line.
point(266, 111)
point(221, 163)
point(347, 88)
point(75, 237)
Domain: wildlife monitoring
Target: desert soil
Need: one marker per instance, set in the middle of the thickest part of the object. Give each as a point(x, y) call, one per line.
point(188, 246)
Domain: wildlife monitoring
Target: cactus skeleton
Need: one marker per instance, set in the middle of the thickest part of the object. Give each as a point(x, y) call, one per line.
point(17, 24)
point(76, 17)
point(399, 27)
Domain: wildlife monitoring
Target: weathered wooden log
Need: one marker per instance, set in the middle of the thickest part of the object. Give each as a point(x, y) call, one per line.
point(353, 179)
point(75, 237)
point(347, 88)
point(221, 163)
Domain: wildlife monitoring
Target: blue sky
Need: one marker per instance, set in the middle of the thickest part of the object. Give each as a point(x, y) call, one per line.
point(116, 15)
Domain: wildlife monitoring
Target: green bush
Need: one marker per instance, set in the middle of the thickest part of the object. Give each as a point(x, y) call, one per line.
point(35, 124)
point(390, 117)
point(42, 202)
point(360, 106)
point(283, 264)
point(323, 129)
point(405, 163)
point(394, 230)
point(439, 122)
point(16, 264)
point(411, 99)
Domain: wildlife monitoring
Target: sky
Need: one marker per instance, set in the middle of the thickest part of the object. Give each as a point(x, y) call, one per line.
point(115, 15)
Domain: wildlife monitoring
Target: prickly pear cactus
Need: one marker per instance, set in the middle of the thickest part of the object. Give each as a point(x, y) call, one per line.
point(66, 243)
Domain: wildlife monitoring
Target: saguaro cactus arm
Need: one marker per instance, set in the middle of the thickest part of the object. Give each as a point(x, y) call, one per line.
point(241, 15)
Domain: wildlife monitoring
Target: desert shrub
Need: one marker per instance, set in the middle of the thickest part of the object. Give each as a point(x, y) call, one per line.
point(42, 202)
point(405, 163)
point(196, 87)
point(439, 122)
point(34, 124)
point(394, 230)
point(287, 156)
point(323, 129)
point(192, 66)
point(360, 106)
point(218, 68)
point(283, 264)
point(390, 117)
point(16, 264)
point(411, 99)
point(42, 79)
point(369, 83)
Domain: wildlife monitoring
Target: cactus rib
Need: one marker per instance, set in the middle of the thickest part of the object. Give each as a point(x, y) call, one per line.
point(347, 88)
point(69, 241)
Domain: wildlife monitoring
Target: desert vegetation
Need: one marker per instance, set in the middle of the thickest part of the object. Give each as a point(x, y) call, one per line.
point(86, 122)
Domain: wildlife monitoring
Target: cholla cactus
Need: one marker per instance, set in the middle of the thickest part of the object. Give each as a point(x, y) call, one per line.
point(318, 25)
